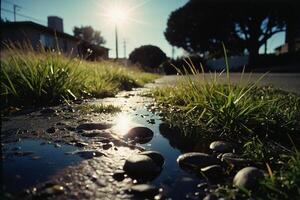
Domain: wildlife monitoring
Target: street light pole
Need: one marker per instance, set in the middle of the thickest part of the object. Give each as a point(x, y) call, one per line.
point(116, 33)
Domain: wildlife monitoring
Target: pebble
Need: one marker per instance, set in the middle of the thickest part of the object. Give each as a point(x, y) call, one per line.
point(51, 130)
point(88, 154)
point(144, 190)
point(213, 172)
point(196, 160)
point(220, 147)
point(140, 134)
point(155, 156)
point(119, 175)
point(141, 166)
point(248, 178)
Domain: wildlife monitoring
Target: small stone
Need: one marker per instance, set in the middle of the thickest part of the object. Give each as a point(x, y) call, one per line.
point(140, 134)
point(141, 166)
point(195, 160)
point(53, 190)
point(81, 144)
point(235, 160)
point(248, 178)
point(119, 175)
point(220, 147)
point(88, 154)
point(144, 190)
point(155, 156)
point(213, 171)
point(93, 126)
point(51, 130)
point(106, 146)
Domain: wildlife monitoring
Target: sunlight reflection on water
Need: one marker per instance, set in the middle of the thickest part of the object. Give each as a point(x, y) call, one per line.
point(123, 123)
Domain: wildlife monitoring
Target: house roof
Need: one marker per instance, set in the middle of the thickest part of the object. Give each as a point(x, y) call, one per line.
point(45, 29)
point(39, 27)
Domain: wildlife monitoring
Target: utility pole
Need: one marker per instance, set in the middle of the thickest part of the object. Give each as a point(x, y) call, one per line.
point(173, 52)
point(15, 11)
point(124, 46)
point(117, 48)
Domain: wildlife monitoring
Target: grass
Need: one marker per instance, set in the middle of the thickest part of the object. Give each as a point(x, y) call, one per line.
point(242, 110)
point(42, 78)
point(99, 108)
point(260, 121)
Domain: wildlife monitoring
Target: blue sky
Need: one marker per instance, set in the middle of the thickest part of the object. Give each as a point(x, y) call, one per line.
point(150, 19)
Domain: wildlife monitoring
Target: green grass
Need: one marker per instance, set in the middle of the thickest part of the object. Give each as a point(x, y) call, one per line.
point(282, 184)
point(99, 108)
point(260, 121)
point(243, 110)
point(41, 78)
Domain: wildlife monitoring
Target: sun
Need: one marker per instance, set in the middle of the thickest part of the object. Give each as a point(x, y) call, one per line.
point(118, 14)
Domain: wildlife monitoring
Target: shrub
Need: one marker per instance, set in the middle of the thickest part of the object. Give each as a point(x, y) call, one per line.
point(148, 56)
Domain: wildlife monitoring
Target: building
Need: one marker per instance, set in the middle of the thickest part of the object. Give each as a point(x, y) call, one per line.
point(292, 37)
point(49, 37)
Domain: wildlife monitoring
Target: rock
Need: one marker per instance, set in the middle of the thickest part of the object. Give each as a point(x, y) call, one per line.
point(213, 172)
point(106, 146)
point(53, 190)
point(196, 160)
point(235, 160)
point(141, 166)
point(144, 190)
point(88, 154)
point(155, 156)
point(93, 126)
point(248, 178)
point(81, 144)
point(51, 130)
point(119, 175)
point(220, 147)
point(140, 134)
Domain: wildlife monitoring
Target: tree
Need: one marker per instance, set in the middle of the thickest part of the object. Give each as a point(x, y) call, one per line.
point(88, 34)
point(148, 56)
point(200, 26)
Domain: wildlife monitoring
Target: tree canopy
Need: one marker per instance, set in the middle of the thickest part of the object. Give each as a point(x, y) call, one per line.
point(88, 34)
point(201, 25)
point(148, 56)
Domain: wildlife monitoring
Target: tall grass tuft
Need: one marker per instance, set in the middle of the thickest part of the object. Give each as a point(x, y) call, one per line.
point(34, 78)
point(244, 109)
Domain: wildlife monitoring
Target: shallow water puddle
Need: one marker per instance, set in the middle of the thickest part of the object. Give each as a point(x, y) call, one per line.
point(29, 162)
point(176, 183)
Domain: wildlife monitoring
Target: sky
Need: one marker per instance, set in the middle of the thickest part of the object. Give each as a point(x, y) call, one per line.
point(145, 24)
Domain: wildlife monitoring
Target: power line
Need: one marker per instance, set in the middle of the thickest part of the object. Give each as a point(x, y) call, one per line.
point(25, 16)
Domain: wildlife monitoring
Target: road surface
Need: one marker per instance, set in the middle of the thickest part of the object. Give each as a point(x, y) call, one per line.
point(285, 81)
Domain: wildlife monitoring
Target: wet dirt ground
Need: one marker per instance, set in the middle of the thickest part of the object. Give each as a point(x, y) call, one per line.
point(46, 156)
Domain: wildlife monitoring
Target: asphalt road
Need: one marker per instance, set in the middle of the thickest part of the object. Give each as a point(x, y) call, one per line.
point(285, 81)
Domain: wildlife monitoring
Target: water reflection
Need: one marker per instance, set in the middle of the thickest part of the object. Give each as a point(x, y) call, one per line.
point(122, 124)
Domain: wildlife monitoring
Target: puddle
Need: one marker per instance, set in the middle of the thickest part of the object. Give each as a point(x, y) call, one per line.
point(29, 162)
point(175, 182)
